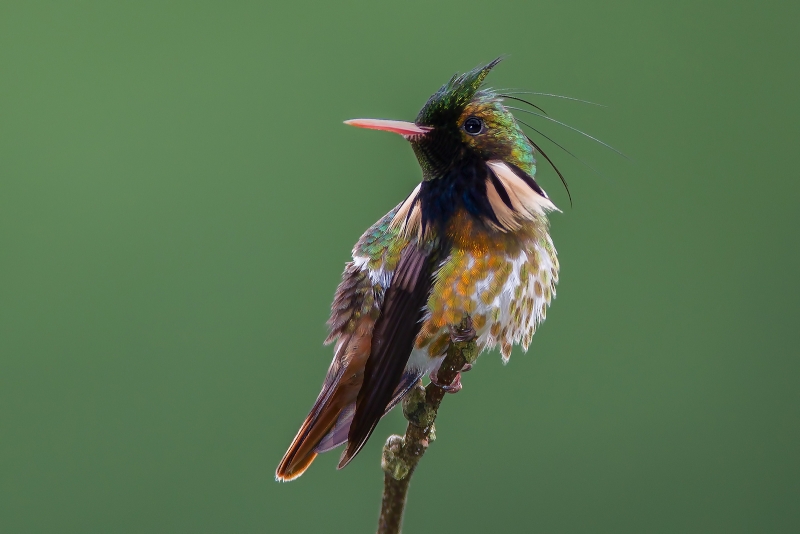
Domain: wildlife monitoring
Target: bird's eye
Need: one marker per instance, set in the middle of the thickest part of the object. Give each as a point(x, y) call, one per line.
point(473, 126)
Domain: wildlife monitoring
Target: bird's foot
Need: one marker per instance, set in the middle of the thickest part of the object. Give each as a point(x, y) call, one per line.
point(453, 387)
point(462, 337)
point(464, 332)
point(456, 385)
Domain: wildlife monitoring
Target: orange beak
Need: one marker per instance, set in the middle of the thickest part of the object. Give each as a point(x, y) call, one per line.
point(406, 129)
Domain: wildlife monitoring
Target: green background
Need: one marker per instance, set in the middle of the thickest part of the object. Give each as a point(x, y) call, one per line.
point(178, 196)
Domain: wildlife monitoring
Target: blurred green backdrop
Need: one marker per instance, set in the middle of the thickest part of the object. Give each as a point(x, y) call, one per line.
point(178, 196)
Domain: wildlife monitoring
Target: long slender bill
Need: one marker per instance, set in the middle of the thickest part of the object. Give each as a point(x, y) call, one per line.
point(406, 129)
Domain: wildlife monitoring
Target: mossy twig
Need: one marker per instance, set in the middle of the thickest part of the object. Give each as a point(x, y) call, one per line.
point(401, 454)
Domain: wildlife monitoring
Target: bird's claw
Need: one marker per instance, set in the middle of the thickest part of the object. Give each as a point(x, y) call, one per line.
point(463, 332)
point(453, 387)
point(463, 336)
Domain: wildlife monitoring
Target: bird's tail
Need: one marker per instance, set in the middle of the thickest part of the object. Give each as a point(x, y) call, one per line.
point(332, 400)
point(327, 425)
point(301, 452)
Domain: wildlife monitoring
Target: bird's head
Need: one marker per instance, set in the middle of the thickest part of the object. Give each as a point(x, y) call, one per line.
point(474, 156)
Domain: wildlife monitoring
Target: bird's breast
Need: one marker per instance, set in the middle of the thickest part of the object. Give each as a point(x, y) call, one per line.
point(504, 282)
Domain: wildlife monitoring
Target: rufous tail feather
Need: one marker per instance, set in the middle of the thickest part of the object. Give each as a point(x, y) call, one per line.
point(301, 452)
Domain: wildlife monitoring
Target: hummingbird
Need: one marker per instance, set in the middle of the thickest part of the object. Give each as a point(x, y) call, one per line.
point(471, 240)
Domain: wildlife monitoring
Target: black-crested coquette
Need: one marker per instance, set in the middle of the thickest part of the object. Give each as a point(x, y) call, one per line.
point(471, 240)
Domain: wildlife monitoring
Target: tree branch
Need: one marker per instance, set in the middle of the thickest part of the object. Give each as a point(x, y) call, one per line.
point(401, 454)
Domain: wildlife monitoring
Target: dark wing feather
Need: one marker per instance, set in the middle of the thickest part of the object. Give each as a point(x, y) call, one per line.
point(392, 341)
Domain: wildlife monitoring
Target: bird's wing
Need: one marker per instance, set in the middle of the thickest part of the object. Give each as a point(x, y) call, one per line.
point(365, 279)
point(392, 341)
point(352, 320)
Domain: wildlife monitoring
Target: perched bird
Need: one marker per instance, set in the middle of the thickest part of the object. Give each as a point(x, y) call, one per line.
point(470, 240)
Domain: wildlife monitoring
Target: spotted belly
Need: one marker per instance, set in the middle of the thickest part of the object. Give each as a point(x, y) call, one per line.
point(506, 295)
